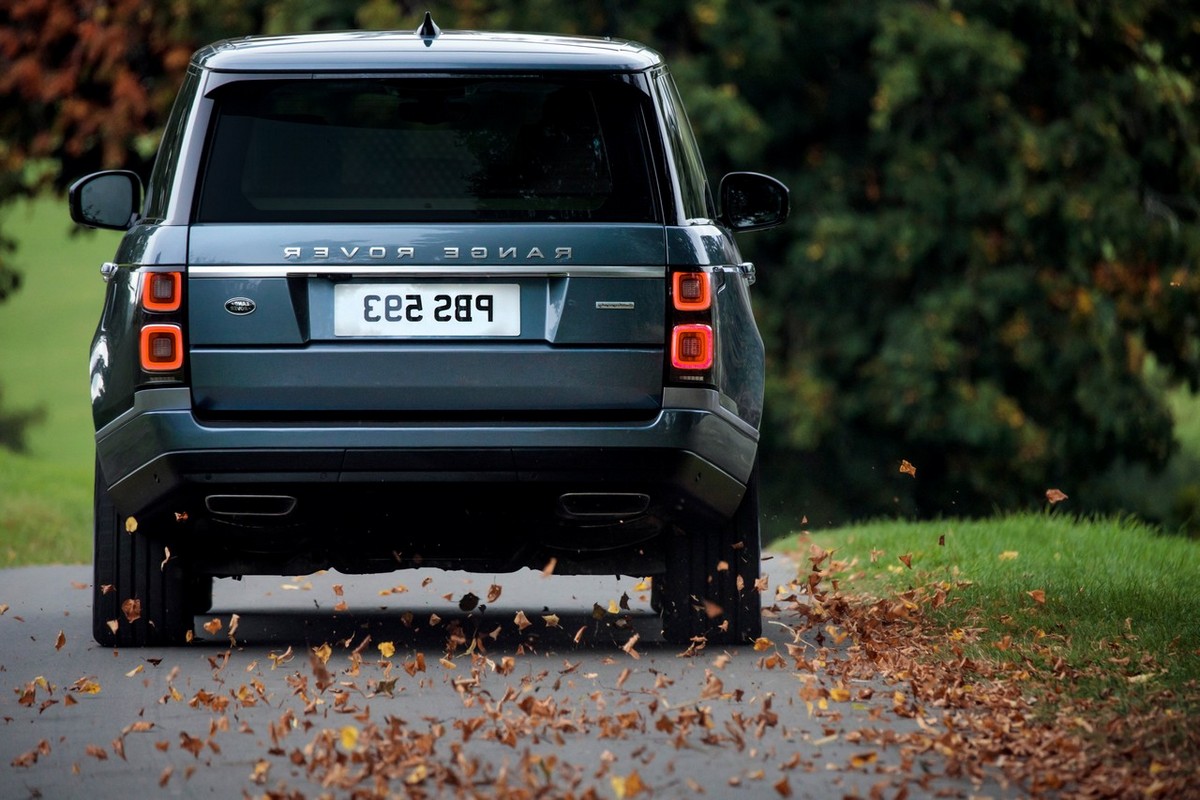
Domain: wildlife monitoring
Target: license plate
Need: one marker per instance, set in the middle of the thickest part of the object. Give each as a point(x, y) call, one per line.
point(426, 309)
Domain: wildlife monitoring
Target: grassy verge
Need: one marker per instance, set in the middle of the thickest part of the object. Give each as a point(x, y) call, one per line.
point(1096, 623)
point(1087, 591)
point(45, 329)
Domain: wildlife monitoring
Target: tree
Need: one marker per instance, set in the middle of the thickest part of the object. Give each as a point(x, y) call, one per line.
point(994, 236)
point(988, 254)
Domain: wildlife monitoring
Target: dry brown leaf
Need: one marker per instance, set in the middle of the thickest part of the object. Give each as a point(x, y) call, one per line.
point(132, 609)
point(521, 621)
point(213, 626)
point(60, 641)
point(906, 559)
point(1038, 595)
point(548, 570)
point(628, 646)
point(493, 593)
point(907, 468)
point(1054, 496)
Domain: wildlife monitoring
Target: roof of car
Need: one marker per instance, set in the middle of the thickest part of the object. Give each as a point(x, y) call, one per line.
point(408, 50)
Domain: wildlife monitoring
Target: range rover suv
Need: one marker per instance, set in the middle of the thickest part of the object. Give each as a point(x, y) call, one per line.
point(449, 299)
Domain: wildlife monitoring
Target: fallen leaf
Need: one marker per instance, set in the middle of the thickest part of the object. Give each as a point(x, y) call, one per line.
point(323, 653)
point(349, 738)
point(628, 786)
point(907, 468)
point(761, 643)
point(1009, 555)
point(1054, 496)
point(213, 625)
point(387, 649)
point(138, 670)
point(1038, 595)
point(418, 775)
point(130, 525)
point(521, 621)
point(548, 570)
point(628, 646)
point(906, 559)
point(132, 609)
point(551, 620)
point(468, 603)
point(337, 589)
point(61, 641)
point(494, 593)
point(261, 768)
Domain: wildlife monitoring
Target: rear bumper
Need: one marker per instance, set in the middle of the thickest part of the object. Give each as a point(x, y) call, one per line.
point(693, 460)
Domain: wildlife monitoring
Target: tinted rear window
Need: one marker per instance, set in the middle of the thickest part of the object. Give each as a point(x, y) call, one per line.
point(428, 149)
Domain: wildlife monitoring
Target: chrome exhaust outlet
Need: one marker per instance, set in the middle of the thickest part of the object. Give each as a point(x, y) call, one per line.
point(601, 506)
point(250, 505)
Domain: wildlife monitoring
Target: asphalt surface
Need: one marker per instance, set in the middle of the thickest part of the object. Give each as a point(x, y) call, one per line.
point(255, 715)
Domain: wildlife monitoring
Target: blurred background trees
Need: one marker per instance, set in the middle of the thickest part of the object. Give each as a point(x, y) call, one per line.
point(991, 269)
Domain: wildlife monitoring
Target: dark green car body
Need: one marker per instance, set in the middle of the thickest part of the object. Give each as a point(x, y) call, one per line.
point(443, 299)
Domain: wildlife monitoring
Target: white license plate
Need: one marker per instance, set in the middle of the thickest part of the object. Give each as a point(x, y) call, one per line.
point(427, 309)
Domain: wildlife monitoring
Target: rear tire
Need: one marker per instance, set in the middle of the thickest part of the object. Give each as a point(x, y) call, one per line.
point(132, 580)
point(702, 599)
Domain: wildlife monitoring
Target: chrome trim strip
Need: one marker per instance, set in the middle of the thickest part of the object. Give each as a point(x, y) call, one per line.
point(438, 271)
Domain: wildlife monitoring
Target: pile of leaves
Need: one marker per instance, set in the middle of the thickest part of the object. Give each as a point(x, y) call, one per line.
point(1025, 711)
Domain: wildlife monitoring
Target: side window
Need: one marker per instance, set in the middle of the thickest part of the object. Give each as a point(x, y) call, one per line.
point(162, 176)
point(693, 185)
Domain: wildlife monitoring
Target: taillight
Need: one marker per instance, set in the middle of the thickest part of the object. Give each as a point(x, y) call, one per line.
point(692, 291)
point(161, 291)
point(691, 332)
point(162, 348)
point(692, 347)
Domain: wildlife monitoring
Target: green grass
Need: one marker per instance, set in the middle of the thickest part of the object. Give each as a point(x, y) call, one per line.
point(1113, 590)
point(45, 331)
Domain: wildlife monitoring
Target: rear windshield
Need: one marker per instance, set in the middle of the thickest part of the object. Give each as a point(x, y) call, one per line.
point(424, 149)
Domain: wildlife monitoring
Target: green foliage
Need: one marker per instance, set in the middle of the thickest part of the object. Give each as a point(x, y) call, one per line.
point(995, 209)
point(987, 250)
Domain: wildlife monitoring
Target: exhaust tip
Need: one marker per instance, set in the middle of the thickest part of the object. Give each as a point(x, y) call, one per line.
point(600, 506)
point(250, 505)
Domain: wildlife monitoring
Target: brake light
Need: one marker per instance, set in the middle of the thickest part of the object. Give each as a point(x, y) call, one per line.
point(161, 291)
point(692, 291)
point(162, 348)
point(692, 347)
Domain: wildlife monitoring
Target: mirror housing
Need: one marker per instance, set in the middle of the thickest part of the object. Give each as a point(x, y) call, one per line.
point(107, 199)
point(751, 202)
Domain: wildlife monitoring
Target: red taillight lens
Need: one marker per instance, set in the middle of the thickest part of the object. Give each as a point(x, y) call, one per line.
point(162, 348)
point(692, 347)
point(691, 291)
point(161, 291)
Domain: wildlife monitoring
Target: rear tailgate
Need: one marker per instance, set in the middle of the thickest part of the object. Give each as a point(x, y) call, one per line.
point(426, 318)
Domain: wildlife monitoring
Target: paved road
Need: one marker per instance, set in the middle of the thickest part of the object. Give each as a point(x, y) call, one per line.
point(537, 709)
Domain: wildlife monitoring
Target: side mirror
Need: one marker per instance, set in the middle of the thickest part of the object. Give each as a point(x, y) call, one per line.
point(106, 199)
point(751, 202)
